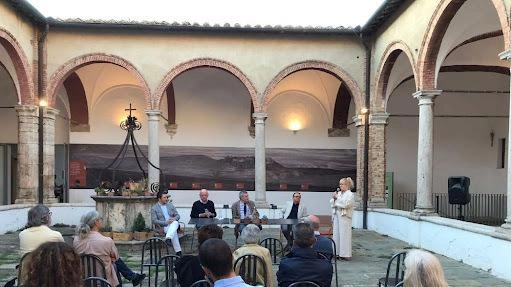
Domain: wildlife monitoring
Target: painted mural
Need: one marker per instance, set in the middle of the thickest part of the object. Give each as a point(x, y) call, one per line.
point(222, 168)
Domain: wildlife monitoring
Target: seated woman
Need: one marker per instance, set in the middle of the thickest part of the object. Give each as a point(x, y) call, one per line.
point(89, 241)
point(54, 264)
point(251, 235)
point(423, 269)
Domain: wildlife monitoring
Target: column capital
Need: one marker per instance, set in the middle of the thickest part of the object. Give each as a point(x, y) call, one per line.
point(358, 120)
point(26, 110)
point(378, 119)
point(506, 55)
point(153, 113)
point(50, 113)
point(259, 117)
point(426, 97)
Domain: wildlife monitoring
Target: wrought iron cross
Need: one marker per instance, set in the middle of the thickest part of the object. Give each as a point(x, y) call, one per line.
point(130, 109)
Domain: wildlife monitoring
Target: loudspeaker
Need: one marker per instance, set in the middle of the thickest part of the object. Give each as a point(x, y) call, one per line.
point(458, 190)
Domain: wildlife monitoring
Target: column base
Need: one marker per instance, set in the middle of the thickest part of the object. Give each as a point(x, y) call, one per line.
point(377, 202)
point(506, 225)
point(262, 204)
point(24, 201)
point(425, 211)
point(51, 200)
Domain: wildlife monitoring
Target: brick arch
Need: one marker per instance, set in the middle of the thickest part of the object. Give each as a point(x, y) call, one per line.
point(436, 29)
point(72, 65)
point(390, 55)
point(315, 65)
point(204, 62)
point(23, 72)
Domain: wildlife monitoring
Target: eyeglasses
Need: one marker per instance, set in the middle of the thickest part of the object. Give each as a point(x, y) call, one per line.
point(297, 196)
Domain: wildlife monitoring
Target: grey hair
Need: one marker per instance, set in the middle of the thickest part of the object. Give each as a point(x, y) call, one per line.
point(86, 223)
point(242, 193)
point(250, 234)
point(38, 215)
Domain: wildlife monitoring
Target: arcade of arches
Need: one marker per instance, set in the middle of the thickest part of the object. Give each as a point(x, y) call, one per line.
point(438, 86)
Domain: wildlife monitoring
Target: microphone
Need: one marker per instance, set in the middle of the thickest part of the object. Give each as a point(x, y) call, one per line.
point(338, 189)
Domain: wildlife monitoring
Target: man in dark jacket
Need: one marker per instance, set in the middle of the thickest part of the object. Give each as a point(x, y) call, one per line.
point(303, 263)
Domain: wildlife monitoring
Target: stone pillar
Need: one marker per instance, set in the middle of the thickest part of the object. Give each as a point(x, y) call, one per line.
point(153, 147)
point(260, 160)
point(425, 152)
point(49, 115)
point(27, 170)
point(506, 55)
point(377, 125)
point(359, 184)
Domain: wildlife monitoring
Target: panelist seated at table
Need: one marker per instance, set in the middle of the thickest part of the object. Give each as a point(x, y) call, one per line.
point(164, 217)
point(203, 208)
point(293, 210)
point(243, 210)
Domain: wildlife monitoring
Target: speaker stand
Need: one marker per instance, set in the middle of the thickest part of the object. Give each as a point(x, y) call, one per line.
point(460, 213)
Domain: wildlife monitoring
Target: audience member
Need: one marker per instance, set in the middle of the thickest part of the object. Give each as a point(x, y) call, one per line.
point(293, 210)
point(423, 269)
point(203, 208)
point(323, 244)
point(342, 202)
point(251, 236)
point(188, 268)
point(303, 263)
point(54, 264)
point(243, 209)
point(164, 217)
point(36, 231)
point(88, 240)
point(216, 260)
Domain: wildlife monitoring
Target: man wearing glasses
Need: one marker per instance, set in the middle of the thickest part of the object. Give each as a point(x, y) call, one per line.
point(36, 231)
point(293, 210)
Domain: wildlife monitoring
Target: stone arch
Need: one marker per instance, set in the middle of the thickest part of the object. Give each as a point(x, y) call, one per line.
point(70, 66)
point(21, 66)
point(317, 65)
point(436, 29)
point(390, 55)
point(204, 62)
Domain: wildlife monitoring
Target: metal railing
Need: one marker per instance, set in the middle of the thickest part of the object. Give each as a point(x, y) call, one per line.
point(488, 209)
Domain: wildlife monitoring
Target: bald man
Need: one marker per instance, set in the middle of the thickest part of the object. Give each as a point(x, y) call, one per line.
point(203, 208)
point(323, 244)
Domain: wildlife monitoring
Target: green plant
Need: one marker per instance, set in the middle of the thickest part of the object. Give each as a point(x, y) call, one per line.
point(100, 191)
point(139, 223)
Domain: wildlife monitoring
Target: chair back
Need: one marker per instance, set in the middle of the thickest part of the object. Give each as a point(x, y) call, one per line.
point(274, 246)
point(23, 268)
point(303, 284)
point(249, 266)
point(330, 256)
point(166, 265)
point(92, 266)
point(201, 283)
point(400, 284)
point(96, 282)
point(395, 270)
point(153, 250)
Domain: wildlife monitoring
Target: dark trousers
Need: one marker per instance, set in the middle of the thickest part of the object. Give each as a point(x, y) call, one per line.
point(287, 230)
point(124, 270)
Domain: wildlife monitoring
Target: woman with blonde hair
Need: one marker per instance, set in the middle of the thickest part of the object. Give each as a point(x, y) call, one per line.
point(342, 202)
point(423, 269)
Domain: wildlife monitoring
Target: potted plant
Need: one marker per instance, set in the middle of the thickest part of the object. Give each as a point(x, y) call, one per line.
point(106, 230)
point(122, 236)
point(100, 191)
point(140, 231)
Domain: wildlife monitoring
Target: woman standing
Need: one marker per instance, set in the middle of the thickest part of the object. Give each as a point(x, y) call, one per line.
point(342, 210)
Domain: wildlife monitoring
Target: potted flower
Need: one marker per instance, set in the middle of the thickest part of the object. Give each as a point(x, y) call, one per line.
point(140, 231)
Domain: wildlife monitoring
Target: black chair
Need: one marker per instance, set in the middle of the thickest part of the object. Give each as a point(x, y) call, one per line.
point(201, 283)
point(331, 257)
point(395, 271)
point(400, 284)
point(152, 251)
point(96, 282)
point(247, 266)
point(168, 263)
point(303, 284)
point(92, 266)
point(22, 268)
point(275, 247)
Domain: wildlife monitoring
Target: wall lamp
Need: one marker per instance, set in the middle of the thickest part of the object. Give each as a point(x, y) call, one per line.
point(295, 126)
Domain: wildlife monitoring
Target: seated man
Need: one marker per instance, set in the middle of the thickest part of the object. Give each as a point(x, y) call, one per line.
point(294, 210)
point(36, 231)
point(323, 244)
point(203, 208)
point(251, 236)
point(216, 261)
point(188, 268)
point(164, 216)
point(243, 209)
point(303, 263)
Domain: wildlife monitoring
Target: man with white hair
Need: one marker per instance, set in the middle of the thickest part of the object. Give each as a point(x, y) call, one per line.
point(203, 208)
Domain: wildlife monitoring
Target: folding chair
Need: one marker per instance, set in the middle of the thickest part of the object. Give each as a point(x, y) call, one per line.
point(395, 268)
point(303, 284)
point(92, 266)
point(168, 264)
point(247, 266)
point(152, 251)
point(201, 283)
point(96, 282)
point(275, 247)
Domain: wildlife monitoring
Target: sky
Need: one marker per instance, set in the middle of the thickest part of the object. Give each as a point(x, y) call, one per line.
point(315, 13)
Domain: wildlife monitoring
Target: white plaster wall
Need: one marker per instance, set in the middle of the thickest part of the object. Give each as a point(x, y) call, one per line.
point(477, 245)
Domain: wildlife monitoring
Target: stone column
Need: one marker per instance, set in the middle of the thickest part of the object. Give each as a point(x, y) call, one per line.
point(153, 147)
point(49, 115)
point(359, 185)
point(425, 151)
point(506, 55)
point(377, 125)
point(27, 170)
point(260, 160)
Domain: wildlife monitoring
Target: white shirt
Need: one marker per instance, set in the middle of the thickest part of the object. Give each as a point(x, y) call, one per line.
point(165, 211)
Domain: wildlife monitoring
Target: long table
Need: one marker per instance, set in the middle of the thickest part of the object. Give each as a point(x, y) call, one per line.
point(224, 221)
